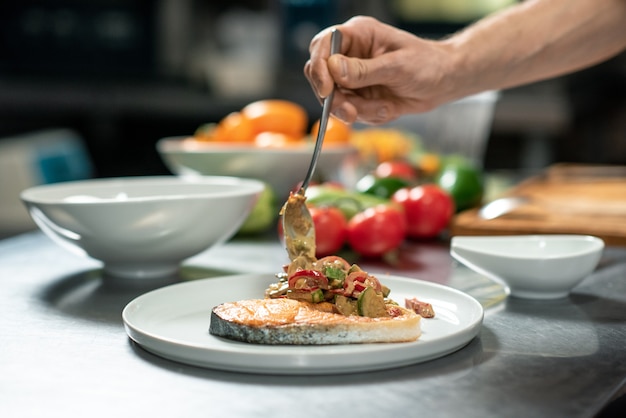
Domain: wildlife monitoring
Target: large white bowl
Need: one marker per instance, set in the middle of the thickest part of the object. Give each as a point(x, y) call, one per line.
point(532, 266)
point(281, 168)
point(142, 226)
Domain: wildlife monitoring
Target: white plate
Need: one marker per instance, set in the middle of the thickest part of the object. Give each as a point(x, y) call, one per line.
point(173, 322)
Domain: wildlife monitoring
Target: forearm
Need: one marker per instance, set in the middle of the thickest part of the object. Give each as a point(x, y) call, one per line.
point(504, 50)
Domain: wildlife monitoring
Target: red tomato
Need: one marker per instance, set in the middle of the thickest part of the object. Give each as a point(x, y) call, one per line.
point(330, 229)
point(333, 261)
point(357, 282)
point(308, 280)
point(377, 230)
point(428, 209)
point(399, 169)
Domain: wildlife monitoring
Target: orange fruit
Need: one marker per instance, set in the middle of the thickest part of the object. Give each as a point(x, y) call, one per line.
point(382, 144)
point(275, 140)
point(429, 163)
point(280, 116)
point(234, 127)
point(205, 132)
point(337, 132)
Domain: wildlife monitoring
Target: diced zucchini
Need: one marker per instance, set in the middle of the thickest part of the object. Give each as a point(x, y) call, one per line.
point(354, 268)
point(335, 276)
point(334, 273)
point(315, 296)
point(371, 304)
point(385, 290)
point(345, 305)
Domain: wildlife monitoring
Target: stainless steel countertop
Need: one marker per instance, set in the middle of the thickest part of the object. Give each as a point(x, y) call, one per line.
point(64, 351)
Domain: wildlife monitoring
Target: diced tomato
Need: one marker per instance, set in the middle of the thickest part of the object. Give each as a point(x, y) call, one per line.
point(333, 261)
point(358, 281)
point(307, 280)
point(394, 311)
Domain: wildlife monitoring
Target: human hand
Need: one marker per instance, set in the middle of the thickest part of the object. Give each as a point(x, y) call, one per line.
point(381, 73)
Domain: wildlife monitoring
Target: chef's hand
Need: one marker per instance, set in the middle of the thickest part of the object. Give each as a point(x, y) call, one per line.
point(381, 73)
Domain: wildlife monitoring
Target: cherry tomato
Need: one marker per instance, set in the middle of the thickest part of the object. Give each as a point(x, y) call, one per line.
point(307, 280)
point(333, 261)
point(330, 229)
point(377, 230)
point(427, 208)
point(398, 169)
point(357, 282)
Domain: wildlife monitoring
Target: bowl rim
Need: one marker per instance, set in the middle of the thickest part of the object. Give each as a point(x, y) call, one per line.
point(178, 144)
point(595, 244)
point(40, 194)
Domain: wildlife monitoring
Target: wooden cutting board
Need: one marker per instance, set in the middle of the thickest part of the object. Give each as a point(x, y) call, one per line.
point(565, 199)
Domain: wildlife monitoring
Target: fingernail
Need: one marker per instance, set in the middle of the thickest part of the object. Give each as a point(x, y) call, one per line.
point(318, 84)
point(343, 66)
point(340, 114)
point(382, 112)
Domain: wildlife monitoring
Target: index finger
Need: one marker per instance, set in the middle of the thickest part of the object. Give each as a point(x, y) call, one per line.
point(316, 69)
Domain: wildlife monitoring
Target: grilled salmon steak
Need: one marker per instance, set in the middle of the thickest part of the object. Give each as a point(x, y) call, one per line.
point(289, 321)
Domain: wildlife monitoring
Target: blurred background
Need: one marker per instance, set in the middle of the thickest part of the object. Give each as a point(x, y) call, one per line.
point(87, 87)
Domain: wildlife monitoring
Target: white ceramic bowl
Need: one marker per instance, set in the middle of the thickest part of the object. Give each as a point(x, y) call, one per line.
point(532, 266)
point(142, 226)
point(281, 168)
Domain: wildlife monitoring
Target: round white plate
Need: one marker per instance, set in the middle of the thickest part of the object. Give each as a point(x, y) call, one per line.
point(173, 322)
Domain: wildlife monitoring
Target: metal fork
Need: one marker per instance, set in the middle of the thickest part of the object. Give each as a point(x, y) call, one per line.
point(298, 227)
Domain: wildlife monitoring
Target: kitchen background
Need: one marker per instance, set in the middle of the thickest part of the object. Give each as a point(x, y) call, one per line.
point(87, 87)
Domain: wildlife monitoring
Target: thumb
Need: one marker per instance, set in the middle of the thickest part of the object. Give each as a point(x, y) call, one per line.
point(354, 73)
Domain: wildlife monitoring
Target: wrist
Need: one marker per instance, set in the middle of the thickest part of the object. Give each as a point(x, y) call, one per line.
point(459, 78)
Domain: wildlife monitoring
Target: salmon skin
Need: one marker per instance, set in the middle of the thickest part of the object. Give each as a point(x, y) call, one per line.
point(293, 322)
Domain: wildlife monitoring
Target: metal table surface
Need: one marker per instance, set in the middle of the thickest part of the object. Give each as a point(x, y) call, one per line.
point(64, 350)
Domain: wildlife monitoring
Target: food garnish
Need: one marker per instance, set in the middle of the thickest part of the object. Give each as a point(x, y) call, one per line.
point(332, 279)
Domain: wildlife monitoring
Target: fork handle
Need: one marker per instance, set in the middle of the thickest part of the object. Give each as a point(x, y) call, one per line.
point(335, 47)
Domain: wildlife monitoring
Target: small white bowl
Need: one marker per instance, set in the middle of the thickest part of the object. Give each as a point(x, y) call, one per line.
point(281, 168)
point(532, 266)
point(142, 227)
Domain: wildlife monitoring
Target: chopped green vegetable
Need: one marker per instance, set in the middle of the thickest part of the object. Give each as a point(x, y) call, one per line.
point(346, 306)
point(371, 304)
point(335, 276)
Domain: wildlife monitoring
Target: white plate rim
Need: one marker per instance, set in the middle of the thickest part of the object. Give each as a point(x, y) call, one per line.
point(207, 351)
